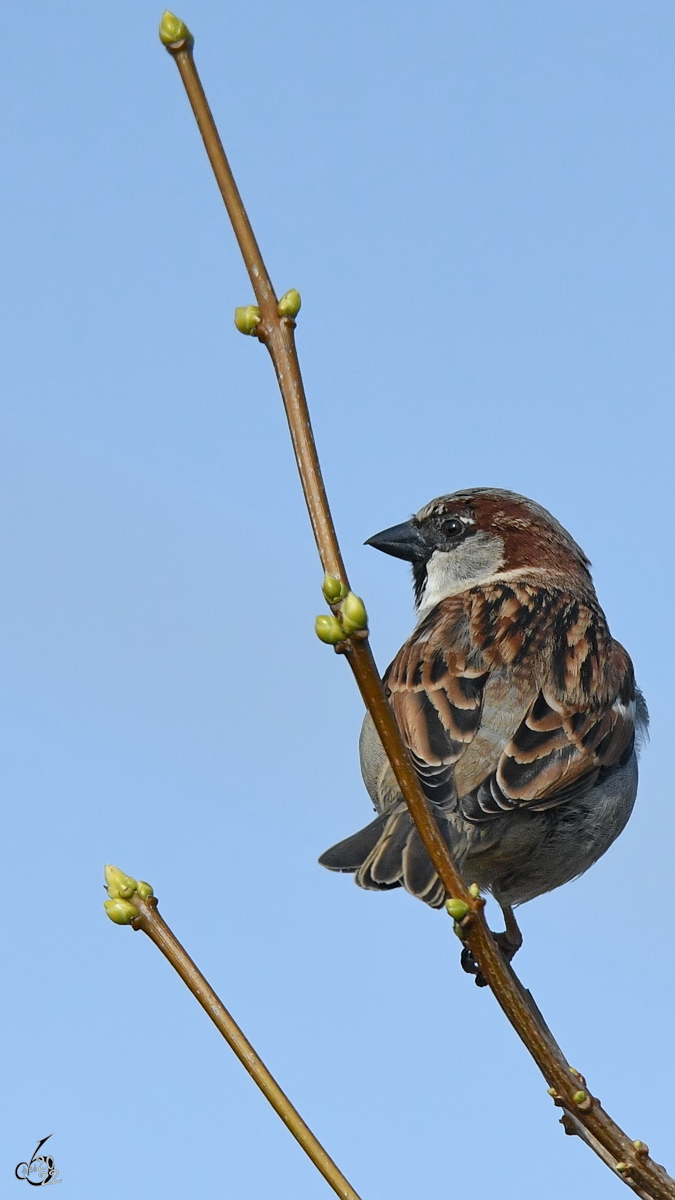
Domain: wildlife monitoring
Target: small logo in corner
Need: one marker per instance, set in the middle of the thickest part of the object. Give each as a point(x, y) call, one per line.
point(40, 1165)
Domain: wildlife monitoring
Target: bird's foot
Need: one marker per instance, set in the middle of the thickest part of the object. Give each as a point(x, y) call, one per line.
point(509, 943)
point(471, 967)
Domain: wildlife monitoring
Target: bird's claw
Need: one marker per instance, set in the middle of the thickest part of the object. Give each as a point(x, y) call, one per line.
point(509, 943)
point(471, 967)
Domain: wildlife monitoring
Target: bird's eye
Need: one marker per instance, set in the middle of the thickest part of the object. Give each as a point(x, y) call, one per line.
point(452, 527)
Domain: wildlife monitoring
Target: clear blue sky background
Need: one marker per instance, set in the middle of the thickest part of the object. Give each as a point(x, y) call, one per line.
point(477, 202)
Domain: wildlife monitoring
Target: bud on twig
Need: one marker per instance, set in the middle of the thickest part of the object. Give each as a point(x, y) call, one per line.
point(118, 884)
point(247, 318)
point(122, 889)
point(458, 909)
point(290, 304)
point(329, 630)
point(120, 911)
point(333, 589)
point(172, 30)
point(353, 614)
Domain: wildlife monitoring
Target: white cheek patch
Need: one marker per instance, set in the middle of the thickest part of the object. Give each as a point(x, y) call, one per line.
point(452, 571)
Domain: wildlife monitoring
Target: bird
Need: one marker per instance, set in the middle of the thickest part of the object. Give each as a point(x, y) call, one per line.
point(519, 710)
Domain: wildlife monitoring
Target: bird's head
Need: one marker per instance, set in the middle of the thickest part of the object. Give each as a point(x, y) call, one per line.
point(476, 535)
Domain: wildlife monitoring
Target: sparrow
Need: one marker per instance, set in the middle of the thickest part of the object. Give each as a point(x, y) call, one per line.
point(519, 710)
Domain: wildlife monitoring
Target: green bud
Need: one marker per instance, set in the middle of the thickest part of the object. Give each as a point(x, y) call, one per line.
point(144, 890)
point(329, 630)
point(333, 589)
point(622, 1167)
point(118, 884)
point(353, 613)
point(640, 1147)
point(247, 319)
point(552, 1091)
point(172, 29)
point(474, 890)
point(290, 303)
point(457, 909)
point(120, 911)
point(580, 1097)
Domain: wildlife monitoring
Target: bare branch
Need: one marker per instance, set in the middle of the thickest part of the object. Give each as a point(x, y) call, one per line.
point(568, 1089)
point(132, 903)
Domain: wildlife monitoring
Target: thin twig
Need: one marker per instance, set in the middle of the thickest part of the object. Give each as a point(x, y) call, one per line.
point(277, 333)
point(152, 923)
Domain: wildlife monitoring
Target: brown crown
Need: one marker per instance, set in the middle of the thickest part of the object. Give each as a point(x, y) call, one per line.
point(532, 536)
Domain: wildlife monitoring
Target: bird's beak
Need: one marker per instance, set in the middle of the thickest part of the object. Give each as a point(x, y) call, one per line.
point(403, 541)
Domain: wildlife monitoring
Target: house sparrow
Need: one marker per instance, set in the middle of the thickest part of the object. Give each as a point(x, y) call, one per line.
point(519, 710)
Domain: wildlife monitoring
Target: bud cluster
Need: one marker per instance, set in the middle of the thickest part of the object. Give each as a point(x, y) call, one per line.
point(247, 317)
point(121, 889)
point(351, 616)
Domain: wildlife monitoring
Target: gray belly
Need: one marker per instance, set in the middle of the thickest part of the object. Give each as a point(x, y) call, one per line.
point(523, 854)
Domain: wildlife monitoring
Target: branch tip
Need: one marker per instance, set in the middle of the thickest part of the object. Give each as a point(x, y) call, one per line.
point(119, 885)
point(173, 31)
point(122, 889)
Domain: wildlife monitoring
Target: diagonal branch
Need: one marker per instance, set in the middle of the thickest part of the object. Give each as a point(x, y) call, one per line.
point(583, 1112)
point(132, 903)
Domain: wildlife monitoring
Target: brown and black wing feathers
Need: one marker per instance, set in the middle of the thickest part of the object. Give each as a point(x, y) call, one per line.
point(581, 723)
point(435, 686)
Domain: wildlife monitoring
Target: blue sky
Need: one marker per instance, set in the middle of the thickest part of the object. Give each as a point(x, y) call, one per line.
point(477, 204)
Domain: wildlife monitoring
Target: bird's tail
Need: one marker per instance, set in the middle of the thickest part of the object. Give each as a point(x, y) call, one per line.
point(387, 854)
